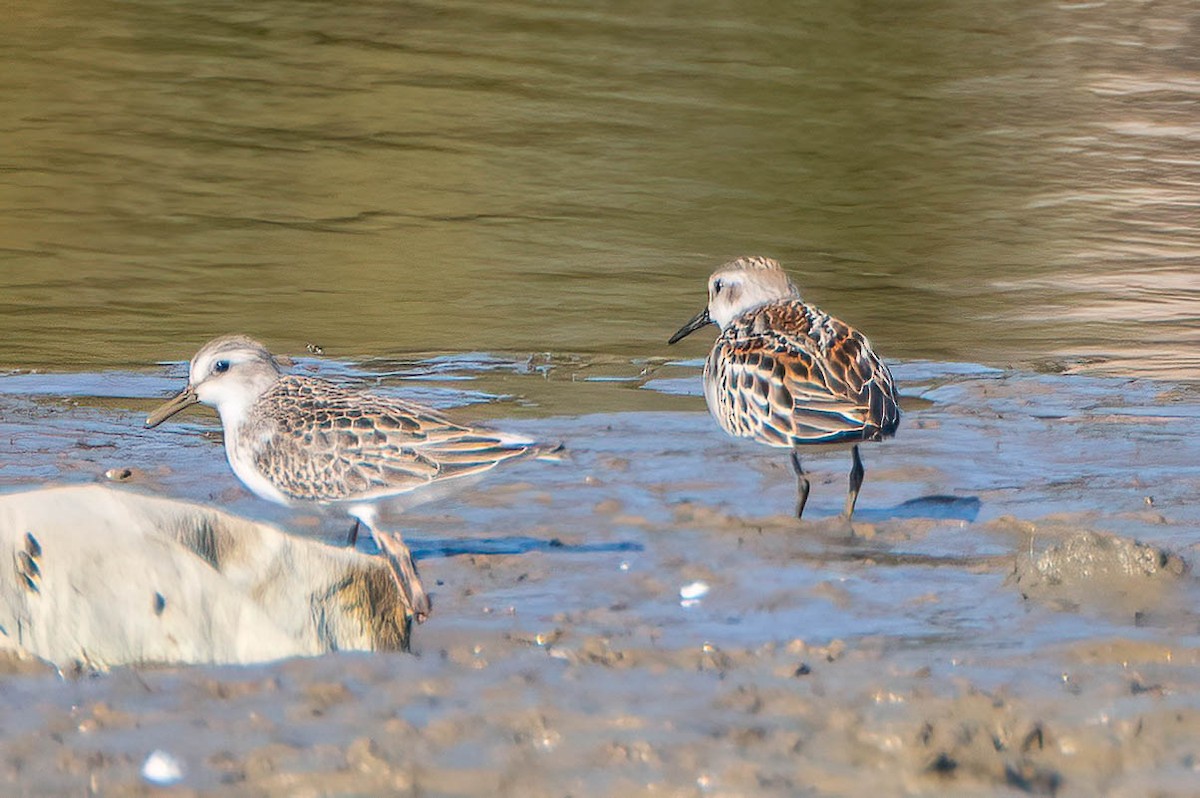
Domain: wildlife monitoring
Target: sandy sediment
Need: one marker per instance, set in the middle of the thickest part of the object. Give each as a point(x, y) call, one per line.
point(604, 700)
point(589, 715)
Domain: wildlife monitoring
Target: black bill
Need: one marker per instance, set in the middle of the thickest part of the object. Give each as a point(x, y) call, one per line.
point(698, 321)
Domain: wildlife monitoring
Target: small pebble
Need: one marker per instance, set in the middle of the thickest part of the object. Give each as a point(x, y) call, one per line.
point(691, 594)
point(162, 768)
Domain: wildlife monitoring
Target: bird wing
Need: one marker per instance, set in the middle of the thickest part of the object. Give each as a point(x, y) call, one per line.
point(318, 441)
point(788, 374)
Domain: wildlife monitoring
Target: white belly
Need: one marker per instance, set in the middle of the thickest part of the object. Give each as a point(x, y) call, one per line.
point(242, 462)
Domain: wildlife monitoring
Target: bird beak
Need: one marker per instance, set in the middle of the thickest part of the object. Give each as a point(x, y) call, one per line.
point(698, 321)
point(186, 398)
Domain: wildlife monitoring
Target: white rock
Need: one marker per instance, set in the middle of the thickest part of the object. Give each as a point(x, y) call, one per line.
point(111, 577)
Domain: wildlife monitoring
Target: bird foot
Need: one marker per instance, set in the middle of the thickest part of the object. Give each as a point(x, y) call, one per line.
point(404, 571)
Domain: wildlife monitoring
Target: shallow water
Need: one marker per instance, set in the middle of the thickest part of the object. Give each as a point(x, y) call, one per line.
point(985, 457)
point(505, 209)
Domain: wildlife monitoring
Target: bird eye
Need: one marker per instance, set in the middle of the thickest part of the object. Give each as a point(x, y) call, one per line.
point(717, 286)
point(220, 367)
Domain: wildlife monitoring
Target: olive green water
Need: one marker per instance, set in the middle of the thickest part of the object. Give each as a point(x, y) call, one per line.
point(1002, 183)
point(512, 206)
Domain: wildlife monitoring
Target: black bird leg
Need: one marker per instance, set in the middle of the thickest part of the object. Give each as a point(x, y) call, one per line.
point(801, 485)
point(856, 478)
point(352, 538)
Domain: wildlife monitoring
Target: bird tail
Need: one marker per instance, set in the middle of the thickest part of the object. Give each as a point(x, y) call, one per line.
point(531, 448)
point(553, 452)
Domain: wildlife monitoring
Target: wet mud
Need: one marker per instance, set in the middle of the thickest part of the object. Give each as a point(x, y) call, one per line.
point(1012, 612)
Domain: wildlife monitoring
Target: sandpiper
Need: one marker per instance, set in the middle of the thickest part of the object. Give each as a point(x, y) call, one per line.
point(298, 440)
point(787, 374)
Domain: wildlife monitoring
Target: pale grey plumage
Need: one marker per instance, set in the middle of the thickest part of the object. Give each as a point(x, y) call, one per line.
point(316, 441)
point(299, 439)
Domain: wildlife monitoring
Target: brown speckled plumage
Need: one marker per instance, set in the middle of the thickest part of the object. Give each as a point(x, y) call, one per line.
point(788, 374)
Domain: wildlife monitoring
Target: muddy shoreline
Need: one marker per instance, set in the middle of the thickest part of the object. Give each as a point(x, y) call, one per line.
point(1013, 613)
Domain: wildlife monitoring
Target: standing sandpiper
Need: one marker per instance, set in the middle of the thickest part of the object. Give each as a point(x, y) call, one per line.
point(301, 440)
point(787, 374)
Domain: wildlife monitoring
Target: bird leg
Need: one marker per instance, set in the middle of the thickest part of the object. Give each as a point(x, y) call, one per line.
point(404, 571)
point(801, 484)
point(856, 478)
point(352, 538)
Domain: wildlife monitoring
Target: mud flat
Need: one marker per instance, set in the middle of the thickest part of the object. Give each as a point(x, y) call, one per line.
point(1013, 613)
point(595, 715)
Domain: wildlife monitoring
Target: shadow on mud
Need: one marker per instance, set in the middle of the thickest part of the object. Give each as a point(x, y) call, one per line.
point(514, 544)
point(937, 507)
